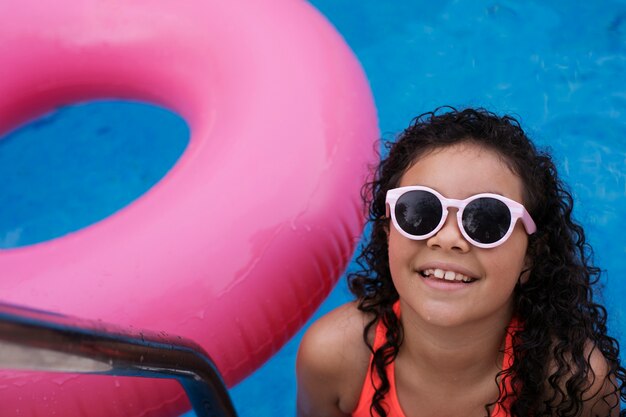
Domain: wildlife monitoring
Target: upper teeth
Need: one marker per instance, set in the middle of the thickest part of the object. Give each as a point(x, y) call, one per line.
point(447, 275)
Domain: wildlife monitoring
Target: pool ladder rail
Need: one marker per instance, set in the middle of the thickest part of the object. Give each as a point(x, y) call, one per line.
point(42, 341)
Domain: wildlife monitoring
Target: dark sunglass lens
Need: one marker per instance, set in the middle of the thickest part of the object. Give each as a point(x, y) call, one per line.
point(486, 220)
point(418, 212)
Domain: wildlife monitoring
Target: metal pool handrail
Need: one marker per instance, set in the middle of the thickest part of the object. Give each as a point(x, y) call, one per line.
point(38, 340)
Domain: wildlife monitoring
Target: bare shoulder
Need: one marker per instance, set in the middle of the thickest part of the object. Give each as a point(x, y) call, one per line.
point(332, 363)
point(602, 397)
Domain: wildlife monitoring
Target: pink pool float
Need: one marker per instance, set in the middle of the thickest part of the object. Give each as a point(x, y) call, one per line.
point(247, 233)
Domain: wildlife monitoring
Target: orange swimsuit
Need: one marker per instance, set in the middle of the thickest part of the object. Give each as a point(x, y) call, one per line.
point(391, 398)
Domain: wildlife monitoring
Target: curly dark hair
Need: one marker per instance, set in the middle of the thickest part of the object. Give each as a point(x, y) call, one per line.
point(561, 319)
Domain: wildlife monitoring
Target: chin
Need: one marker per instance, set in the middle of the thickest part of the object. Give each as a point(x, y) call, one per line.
point(445, 318)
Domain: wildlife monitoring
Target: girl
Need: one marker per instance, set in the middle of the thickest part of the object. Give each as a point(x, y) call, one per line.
point(475, 297)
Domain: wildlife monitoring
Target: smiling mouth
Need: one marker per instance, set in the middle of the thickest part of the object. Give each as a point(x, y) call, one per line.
point(450, 276)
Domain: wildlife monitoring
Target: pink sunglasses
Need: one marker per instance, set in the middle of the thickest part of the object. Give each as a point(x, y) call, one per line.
point(485, 220)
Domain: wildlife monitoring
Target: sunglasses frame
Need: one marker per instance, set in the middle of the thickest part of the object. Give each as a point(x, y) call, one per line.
point(517, 210)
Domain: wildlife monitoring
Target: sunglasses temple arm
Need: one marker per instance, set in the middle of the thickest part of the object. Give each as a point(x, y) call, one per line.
point(529, 223)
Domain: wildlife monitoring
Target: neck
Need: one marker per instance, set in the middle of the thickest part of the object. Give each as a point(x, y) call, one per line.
point(462, 353)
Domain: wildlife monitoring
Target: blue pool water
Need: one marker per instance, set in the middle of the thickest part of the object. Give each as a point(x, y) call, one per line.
point(558, 67)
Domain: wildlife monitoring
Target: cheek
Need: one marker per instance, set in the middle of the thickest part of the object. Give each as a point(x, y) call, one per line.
point(400, 252)
point(510, 259)
point(392, 252)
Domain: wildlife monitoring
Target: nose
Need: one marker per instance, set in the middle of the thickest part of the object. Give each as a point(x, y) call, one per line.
point(449, 237)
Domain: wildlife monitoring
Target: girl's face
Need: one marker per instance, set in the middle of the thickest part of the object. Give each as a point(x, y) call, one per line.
point(459, 171)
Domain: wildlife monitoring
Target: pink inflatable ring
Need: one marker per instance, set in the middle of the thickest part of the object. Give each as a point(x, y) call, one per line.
point(243, 238)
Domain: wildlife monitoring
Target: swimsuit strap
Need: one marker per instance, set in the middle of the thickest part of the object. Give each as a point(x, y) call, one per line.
point(372, 379)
